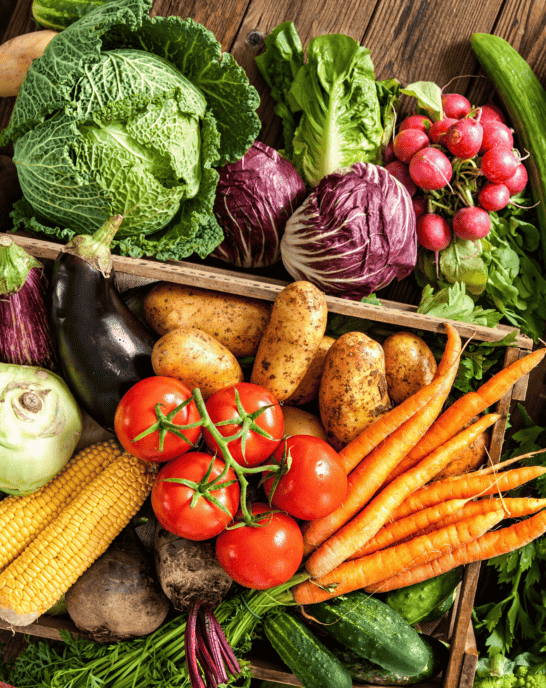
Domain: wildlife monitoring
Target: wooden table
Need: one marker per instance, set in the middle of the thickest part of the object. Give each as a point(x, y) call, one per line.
point(417, 40)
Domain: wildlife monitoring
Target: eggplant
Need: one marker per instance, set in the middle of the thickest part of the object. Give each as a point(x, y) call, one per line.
point(102, 348)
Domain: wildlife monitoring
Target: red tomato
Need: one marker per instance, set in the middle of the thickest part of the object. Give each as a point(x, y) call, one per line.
point(171, 501)
point(222, 406)
point(316, 482)
point(264, 556)
point(136, 413)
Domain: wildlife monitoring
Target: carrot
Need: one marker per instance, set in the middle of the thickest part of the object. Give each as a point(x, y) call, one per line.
point(466, 487)
point(363, 572)
point(371, 472)
point(514, 507)
point(348, 539)
point(486, 546)
point(374, 434)
point(494, 468)
point(419, 522)
point(468, 406)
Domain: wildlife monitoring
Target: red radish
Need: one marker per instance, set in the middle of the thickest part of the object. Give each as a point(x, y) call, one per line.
point(408, 142)
point(490, 112)
point(518, 181)
point(493, 197)
point(499, 164)
point(400, 170)
point(438, 130)
point(416, 122)
point(430, 169)
point(455, 105)
point(471, 223)
point(495, 133)
point(389, 152)
point(419, 206)
point(464, 138)
point(433, 232)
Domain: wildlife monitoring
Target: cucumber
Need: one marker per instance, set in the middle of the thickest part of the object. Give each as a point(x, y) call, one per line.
point(374, 631)
point(310, 661)
point(58, 14)
point(524, 101)
point(441, 610)
point(415, 602)
point(364, 671)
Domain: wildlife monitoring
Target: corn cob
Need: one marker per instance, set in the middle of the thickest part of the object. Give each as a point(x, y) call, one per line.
point(81, 532)
point(23, 518)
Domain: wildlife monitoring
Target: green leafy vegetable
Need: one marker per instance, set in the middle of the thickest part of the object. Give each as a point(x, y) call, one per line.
point(333, 112)
point(128, 114)
point(429, 98)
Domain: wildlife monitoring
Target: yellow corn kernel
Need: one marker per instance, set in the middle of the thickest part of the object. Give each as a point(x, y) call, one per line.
point(125, 483)
point(22, 518)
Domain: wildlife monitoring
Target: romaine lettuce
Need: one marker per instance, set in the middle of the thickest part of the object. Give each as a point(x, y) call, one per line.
point(130, 114)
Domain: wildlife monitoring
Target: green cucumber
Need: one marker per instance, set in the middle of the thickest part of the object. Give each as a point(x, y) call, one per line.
point(58, 14)
point(524, 101)
point(364, 671)
point(310, 661)
point(374, 631)
point(441, 610)
point(415, 602)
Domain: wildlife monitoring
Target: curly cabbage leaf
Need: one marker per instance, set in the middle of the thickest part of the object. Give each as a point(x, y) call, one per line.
point(130, 114)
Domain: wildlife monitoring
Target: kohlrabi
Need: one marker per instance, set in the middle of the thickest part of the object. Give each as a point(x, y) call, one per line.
point(40, 425)
point(127, 114)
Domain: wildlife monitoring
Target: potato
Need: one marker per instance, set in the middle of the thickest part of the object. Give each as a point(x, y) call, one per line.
point(353, 387)
point(409, 364)
point(300, 422)
point(470, 459)
point(188, 570)
point(237, 322)
point(291, 339)
point(119, 596)
point(16, 56)
point(308, 388)
point(197, 359)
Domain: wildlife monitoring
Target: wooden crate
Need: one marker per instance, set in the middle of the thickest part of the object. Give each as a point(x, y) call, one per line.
point(463, 654)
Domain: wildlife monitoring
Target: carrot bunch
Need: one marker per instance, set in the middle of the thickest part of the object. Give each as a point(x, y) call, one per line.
point(396, 526)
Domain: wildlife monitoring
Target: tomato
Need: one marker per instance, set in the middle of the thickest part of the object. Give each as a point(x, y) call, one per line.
point(222, 406)
point(315, 483)
point(263, 556)
point(171, 501)
point(136, 413)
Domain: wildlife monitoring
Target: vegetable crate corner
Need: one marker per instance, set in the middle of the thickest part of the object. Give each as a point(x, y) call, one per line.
point(381, 323)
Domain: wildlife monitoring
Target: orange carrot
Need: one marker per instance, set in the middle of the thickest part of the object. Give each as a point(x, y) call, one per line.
point(514, 507)
point(360, 573)
point(374, 434)
point(486, 546)
point(348, 539)
point(466, 487)
point(369, 475)
point(419, 522)
point(468, 406)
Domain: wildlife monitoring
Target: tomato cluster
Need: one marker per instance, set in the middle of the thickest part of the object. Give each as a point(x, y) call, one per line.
point(425, 156)
point(207, 449)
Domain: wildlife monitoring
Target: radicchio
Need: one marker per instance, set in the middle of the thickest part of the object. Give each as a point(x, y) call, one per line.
point(353, 234)
point(255, 197)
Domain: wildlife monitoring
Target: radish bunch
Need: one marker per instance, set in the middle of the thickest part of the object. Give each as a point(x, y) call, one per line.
point(458, 169)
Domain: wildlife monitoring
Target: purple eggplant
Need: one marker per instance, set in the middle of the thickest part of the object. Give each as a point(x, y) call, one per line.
point(103, 350)
point(25, 334)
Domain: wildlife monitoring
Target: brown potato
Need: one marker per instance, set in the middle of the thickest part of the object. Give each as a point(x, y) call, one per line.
point(468, 460)
point(353, 388)
point(300, 422)
point(197, 359)
point(237, 322)
point(308, 388)
point(409, 365)
point(16, 56)
point(291, 339)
